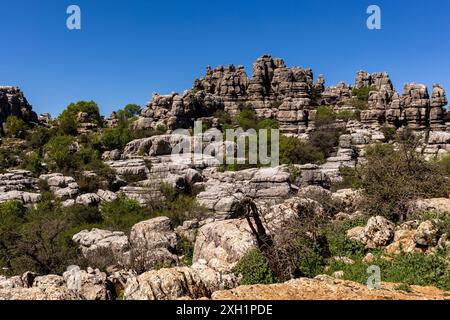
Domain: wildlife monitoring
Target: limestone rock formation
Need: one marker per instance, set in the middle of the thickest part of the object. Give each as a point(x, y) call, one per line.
point(153, 243)
point(221, 244)
point(166, 284)
point(103, 246)
point(14, 103)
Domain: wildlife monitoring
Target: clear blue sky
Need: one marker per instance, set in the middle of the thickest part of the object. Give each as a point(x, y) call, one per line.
point(128, 49)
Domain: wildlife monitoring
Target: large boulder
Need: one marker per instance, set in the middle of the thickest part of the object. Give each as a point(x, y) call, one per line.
point(427, 234)
point(153, 243)
point(103, 246)
point(222, 244)
point(166, 284)
point(91, 284)
point(378, 233)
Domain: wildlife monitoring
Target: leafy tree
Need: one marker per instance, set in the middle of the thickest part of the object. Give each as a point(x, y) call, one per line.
point(59, 151)
point(16, 127)
point(129, 111)
point(68, 118)
point(122, 213)
point(247, 118)
point(391, 177)
point(116, 138)
point(296, 151)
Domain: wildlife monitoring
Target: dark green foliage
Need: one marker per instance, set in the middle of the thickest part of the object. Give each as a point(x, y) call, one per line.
point(129, 111)
point(325, 140)
point(325, 116)
point(40, 240)
point(60, 153)
point(116, 138)
point(296, 151)
point(225, 120)
point(68, 122)
point(325, 137)
point(338, 242)
point(180, 207)
point(38, 137)
point(392, 178)
point(16, 127)
point(363, 93)
point(254, 269)
point(389, 133)
point(187, 251)
point(247, 118)
point(122, 213)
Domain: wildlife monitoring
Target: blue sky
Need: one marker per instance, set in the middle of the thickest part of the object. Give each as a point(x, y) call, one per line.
point(128, 49)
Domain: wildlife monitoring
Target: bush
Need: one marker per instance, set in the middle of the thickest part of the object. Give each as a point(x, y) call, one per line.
point(296, 151)
point(60, 153)
point(325, 140)
point(15, 127)
point(122, 213)
point(116, 138)
point(254, 269)
point(38, 137)
point(68, 119)
point(247, 118)
point(362, 94)
point(129, 111)
point(392, 178)
point(43, 245)
point(325, 116)
point(33, 162)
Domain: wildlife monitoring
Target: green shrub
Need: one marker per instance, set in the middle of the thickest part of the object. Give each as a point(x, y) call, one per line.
point(254, 269)
point(187, 250)
point(116, 138)
point(122, 213)
point(325, 116)
point(60, 153)
point(38, 137)
point(392, 178)
point(247, 118)
point(16, 127)
point(68, 119)
point(128, 112)
point(347, 115)
point(296, 151)
point(33, 162)
point(362, 94)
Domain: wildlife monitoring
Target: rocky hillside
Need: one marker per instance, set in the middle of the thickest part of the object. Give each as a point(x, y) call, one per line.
point(95, 208)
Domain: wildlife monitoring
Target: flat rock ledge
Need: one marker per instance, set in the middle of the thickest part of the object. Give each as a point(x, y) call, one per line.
point(328, 288)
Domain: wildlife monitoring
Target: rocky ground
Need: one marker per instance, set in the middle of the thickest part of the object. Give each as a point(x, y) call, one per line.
point(148, 262)
point(328, 288)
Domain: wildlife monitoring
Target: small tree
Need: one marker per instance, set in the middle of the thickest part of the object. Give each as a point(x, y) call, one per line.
point(15, 127)
point(391, 178)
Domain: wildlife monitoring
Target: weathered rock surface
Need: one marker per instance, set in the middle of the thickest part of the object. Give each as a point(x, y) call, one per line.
point(14, 103)
point(221, 244)
point(91, 284)
point(153, 243)
point(328, 288)
point(166, 284)
point(378, 233)
point(103, 246)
